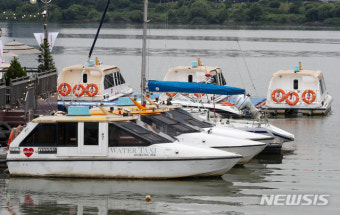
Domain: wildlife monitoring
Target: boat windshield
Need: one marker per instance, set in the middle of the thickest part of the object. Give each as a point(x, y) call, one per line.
point(167, 125)
point(131, 134)
point(185, 117)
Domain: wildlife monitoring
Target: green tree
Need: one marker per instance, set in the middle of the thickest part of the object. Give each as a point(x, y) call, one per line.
point(325, 11)
point(200, 9)
point(275, 4)
point(55, 13)
point(294, 8)
point(255, 12)
point(75, 12)
point(312, 15)
point(136, 16)
point(336, 11)
point(14, 71)
point(45, 59)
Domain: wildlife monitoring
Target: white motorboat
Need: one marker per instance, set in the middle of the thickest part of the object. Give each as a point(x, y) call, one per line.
point(192, 136)
point(257, 126)
point(187, 118)
point(198, 73)
point(298, 90)
point(107, 146)
point(95, 83)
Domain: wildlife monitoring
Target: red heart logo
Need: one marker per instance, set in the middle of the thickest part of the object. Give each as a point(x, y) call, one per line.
point(28, 151)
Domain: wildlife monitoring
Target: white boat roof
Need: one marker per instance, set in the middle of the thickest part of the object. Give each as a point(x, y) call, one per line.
point(101, 68)
point(207, 69)
point(84, 118)
point(315, 73)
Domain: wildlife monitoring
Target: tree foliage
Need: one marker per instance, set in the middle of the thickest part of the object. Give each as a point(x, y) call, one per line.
point(45, 59)
point(14, 71)
point(177, 12)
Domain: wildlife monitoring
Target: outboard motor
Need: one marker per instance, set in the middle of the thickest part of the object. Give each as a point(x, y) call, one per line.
point(243, 102)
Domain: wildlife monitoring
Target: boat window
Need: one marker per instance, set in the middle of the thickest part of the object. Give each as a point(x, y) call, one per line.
point(167, 125)
point(186, 118)
point(85, 78)
point(322, 85)
point(121, 79)
point(130, 134)
point(67, 134)
point(42, 135)
point(91, 133)
point(223, 82)
point(189, 78)
point(296, 84)
point(108, 81)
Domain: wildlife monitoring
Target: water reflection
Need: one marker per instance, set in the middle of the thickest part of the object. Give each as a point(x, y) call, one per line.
point(32, 196)
point(78, 196)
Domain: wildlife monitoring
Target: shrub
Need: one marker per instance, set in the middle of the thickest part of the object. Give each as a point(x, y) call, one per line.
point(14, 71)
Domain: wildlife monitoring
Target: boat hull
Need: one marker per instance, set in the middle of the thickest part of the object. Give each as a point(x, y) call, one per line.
point(125, 168)
point(247, 152)
point(246, 148)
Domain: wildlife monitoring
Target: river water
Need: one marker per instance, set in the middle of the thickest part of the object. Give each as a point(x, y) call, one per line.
point(307, 167)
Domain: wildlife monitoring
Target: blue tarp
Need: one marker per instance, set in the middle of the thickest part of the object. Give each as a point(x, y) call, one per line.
point(191, 87)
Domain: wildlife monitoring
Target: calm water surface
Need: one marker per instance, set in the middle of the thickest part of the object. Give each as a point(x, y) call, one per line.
point(307, 166)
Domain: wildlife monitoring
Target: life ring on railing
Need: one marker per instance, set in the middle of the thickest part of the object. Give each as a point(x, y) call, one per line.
point(198, 95)
point(78, 90)
point(91, 90)
point(14, 133)
point(308, 99)
point(171, 94)
point(278, 95)
point(290, 98)
point(64, 89)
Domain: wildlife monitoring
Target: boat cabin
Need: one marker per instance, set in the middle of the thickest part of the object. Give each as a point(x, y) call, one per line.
point(97, 83)
point(194, 73)
point(298, 90)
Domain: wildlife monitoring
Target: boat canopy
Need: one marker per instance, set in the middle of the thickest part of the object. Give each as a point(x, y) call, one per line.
point(191, 87)
point(315, 73)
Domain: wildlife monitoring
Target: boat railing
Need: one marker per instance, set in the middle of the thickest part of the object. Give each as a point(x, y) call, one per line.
point(23, 91)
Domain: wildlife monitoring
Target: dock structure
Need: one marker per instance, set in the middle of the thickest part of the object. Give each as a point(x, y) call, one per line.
point(26, 96)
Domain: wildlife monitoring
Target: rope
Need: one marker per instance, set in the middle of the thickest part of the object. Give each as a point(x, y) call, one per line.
point(244, 59)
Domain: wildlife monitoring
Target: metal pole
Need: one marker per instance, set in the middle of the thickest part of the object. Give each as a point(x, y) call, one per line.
point(45, 15)
point(143, 78)
point(45, 25)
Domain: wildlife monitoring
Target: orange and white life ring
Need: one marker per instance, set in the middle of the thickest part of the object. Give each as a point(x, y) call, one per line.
point(308, 96)
point(292, 98)
point(198, 95)
point(278, 95)
point(91, 90)
point(171, 94)
point(14, 133)
point(78, 90)
point(64, 89)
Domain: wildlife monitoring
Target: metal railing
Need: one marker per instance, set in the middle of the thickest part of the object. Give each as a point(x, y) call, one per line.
point(27, 89)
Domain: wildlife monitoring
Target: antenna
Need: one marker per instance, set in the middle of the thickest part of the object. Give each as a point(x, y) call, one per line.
point(94, 42)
